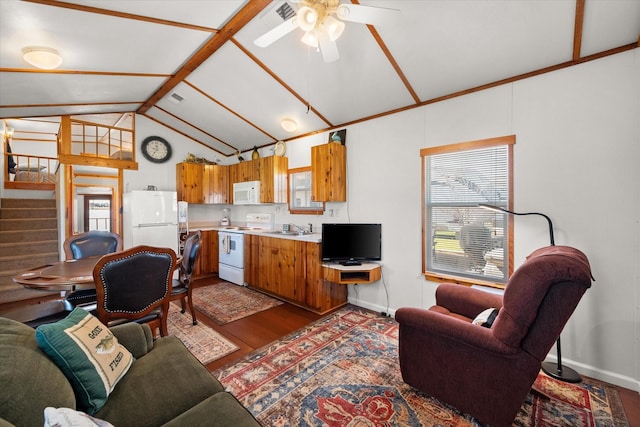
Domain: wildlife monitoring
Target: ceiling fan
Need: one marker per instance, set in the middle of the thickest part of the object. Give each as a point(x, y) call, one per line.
point(322, 22)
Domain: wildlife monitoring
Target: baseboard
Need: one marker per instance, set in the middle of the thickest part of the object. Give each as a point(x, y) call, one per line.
point(600, 374)
point(583, 369)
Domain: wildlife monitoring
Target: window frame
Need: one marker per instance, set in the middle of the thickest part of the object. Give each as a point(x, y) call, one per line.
point(507, 141)
point(297, 210)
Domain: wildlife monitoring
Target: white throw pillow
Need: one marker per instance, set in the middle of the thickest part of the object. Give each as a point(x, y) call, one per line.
point(66, 417)
point(486, 318)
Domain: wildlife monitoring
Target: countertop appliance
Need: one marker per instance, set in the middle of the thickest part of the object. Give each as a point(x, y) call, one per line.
point(150, 218)
point(231, 248)
point(246, 193)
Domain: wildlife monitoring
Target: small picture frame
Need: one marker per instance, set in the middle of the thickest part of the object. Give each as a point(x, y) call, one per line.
point(338, 136)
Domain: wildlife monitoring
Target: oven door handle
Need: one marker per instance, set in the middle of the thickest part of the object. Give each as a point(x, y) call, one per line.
point(226, 247)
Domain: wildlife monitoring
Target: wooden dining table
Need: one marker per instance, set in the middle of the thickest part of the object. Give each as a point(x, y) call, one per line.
point(69, 275)
point(63, 276)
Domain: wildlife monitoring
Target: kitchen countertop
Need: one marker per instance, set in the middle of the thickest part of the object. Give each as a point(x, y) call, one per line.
point(238, 228)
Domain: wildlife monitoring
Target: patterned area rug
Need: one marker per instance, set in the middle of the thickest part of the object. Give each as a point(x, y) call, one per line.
point(203, 342)
point(225, 302)
point(343, 371)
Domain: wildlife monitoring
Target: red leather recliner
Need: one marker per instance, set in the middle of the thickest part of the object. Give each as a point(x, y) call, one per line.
point(487, 372)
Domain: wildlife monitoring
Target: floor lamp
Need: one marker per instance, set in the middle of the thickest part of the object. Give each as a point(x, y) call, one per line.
point(554, 370)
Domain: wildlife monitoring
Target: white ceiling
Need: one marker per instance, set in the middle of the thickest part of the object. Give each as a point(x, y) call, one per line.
point(119, 54)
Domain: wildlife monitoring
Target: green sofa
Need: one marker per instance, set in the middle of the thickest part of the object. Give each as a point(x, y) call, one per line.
point(165, 386)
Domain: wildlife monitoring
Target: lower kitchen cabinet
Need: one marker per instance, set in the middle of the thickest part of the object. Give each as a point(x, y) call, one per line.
point(291, 270)
point(207, 263)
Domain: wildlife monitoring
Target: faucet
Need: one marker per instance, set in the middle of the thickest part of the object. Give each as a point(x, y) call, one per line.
point(301, 230)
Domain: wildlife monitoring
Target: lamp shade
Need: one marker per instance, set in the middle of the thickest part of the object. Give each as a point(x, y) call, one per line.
point(307, 18)
point(310, 38)
point(333, 27)
point(42, 57)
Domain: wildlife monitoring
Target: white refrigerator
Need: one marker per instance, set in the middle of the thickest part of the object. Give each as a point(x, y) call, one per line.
point(150, 218)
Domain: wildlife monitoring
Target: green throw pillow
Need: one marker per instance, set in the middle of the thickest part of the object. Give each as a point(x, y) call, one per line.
point(88, 354)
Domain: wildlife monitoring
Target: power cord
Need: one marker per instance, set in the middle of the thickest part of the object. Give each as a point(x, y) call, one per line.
point(386, 290)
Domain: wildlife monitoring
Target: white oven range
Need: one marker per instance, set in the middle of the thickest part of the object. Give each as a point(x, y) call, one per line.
point(231, 257)
point(231, 247)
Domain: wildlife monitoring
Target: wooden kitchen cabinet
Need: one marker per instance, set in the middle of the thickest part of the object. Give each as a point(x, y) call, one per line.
point(272, 172)
point(207, 263)
point(291, 270)
point(329, 173)
point(274, 175)
point(216, 184)
point(199, 183)
point(189, 182)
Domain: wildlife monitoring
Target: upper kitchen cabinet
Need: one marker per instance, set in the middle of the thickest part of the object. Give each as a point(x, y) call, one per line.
point(329, 173)
point(199, 183)
point(190, 182)
point(272, 172)
point(216, 184)
point(273, 179)
point(248, 170)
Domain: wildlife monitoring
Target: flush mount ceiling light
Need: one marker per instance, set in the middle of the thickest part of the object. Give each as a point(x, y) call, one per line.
point(288, 125)
point(42, 57)
point(321, 20)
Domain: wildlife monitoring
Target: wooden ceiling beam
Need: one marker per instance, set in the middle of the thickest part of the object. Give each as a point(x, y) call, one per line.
point(577, 29)
point(391, 60)
point(235, 24)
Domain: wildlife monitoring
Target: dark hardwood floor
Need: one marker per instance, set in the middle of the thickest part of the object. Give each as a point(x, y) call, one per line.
point(262, 328)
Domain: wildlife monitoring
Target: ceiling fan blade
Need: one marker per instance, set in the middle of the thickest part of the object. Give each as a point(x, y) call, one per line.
point(281, 30)
point(367, 14)
point(328, 47)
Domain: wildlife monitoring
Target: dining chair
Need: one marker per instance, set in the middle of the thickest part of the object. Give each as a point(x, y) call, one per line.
point(84, 245)
point(182, 286)
point(135, 285)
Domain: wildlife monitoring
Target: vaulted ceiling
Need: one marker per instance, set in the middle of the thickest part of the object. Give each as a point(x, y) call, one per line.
point(192, 66)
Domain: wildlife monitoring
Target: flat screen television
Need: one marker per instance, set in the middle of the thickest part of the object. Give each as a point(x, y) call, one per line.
point(350, 244)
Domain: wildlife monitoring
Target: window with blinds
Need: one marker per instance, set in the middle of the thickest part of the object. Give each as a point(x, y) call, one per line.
point(462, 241)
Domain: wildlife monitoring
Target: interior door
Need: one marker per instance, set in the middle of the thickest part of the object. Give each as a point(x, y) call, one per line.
point(98, 212)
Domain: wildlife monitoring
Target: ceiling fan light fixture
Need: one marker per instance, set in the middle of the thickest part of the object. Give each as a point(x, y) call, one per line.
point(333, 27)
point(45, 58)
point(307, 18)
point(289, 125)
point(310, 38)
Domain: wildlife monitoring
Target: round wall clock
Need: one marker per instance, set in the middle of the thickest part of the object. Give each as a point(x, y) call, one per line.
point(156, 149)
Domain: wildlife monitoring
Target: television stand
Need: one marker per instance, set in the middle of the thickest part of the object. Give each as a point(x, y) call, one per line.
point(364, 273)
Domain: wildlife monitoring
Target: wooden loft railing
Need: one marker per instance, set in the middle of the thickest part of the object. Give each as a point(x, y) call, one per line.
point(30, 172)
point(85, 143)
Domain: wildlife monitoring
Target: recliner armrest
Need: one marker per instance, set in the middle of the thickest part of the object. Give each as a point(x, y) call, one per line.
point(136, 337)
point(450, 328)
point(466, 301)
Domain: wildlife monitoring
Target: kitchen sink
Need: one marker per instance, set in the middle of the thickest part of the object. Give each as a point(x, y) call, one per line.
point(289, 233)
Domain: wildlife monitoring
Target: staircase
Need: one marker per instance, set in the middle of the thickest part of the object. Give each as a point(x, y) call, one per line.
point(28, 239)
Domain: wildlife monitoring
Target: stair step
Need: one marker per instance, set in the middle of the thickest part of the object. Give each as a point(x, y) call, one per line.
point(23, 213)
point(27, 248)
point(26, 262)
point(28, 203)
point(16, 236)
point(28, 223)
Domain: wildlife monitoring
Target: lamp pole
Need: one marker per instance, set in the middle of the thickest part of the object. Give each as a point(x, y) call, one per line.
point(554, 370)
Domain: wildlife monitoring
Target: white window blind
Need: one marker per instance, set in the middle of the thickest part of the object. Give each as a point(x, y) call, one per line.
point(462, 239)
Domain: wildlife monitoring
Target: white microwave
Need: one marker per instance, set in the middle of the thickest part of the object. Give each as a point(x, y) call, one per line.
point(246, 193)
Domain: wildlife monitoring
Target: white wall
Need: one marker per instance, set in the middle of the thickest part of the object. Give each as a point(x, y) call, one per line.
point(577, 158)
